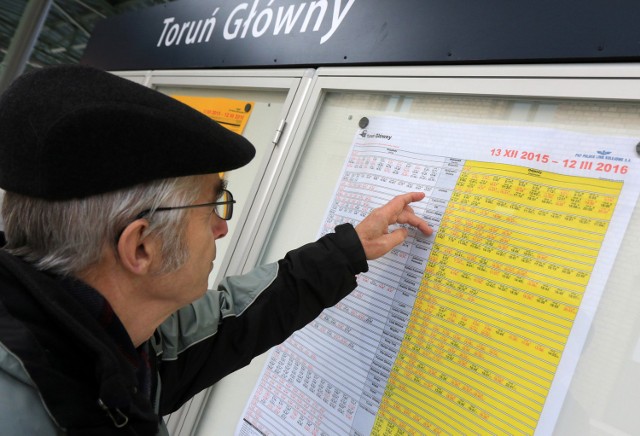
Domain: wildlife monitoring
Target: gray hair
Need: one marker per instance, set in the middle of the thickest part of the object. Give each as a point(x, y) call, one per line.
point(66, 237)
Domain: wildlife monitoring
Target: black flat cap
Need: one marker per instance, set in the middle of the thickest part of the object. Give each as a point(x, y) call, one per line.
point(75, 131)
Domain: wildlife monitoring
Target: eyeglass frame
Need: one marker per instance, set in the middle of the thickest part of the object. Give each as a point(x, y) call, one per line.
point(229, 202)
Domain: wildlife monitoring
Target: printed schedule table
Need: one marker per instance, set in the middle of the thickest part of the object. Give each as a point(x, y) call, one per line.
point(462, 332)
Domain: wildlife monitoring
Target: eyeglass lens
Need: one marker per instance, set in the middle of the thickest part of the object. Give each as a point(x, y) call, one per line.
point(224, 210)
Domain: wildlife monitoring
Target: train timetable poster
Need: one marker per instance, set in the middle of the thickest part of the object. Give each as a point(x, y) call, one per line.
point(478, 328)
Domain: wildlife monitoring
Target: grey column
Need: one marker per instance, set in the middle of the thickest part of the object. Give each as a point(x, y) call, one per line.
point(23, 41)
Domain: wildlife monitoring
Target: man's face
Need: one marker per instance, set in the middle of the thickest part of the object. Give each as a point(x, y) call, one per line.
point(203, 228)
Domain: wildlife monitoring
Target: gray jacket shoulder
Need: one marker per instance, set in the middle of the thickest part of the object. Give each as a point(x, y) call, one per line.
point(200, 320)
point(22, 411)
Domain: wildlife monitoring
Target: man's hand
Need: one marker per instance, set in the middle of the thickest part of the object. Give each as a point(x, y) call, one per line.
point(374, 229)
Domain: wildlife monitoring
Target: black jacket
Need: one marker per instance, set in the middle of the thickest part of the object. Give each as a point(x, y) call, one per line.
point(88, 386)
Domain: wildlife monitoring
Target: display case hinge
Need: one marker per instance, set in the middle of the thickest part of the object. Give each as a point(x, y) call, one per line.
point(279, 131)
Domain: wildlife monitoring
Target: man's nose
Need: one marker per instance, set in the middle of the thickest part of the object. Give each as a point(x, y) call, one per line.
point(219, 227)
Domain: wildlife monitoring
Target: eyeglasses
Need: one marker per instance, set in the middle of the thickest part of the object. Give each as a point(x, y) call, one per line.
point(223, 208)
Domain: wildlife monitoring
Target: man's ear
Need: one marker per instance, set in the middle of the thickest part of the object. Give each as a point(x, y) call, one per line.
point(137, 252)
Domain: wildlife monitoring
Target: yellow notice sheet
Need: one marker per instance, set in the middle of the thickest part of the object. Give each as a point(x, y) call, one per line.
point(232, 114)
point(478, 328)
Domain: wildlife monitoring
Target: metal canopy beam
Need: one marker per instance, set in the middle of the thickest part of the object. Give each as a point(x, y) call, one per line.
point(23, 41)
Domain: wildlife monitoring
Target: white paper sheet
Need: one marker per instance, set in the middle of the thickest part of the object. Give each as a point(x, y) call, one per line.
point(477, 329)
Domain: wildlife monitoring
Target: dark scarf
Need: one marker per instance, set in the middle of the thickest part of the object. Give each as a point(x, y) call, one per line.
point(101, 310)
point(47, 325)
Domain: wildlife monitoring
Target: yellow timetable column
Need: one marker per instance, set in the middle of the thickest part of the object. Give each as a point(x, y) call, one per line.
point(505, 278)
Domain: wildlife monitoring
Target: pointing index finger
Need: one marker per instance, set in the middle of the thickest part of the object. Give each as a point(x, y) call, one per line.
point(404, 213)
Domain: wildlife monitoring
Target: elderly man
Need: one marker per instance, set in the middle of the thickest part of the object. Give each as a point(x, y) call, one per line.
point(112, 210)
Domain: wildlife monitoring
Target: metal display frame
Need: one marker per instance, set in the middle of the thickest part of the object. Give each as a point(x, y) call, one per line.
point(295, 83)
point(592, 82)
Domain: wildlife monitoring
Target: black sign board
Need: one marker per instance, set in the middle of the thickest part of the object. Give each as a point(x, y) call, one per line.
point(267, 33)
